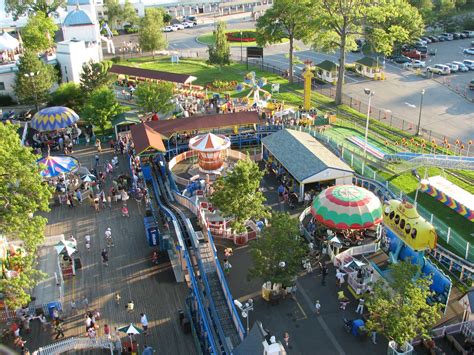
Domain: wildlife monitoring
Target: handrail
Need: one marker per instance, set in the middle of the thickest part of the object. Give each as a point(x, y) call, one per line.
point(75, 343)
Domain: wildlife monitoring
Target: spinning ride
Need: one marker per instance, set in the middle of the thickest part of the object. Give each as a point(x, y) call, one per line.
point(211, 151)
point(54, 118)
point(256, 87)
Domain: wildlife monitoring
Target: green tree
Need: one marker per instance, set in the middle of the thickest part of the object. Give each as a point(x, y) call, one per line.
point(38, 34)
point(22, 194)
point(284, 20)
point(95, 75)
point(19, 8)
point(446, 8)
point(425, 8)
point(155, 97)
point(219, 53)
point(237, 194)
point(101, 106)
point(401, 311)
point(34, 79)
point(150, 37)
point(167, 18)
point(118, 14)
point(69, 95)
point(337, 24)
point(278, 252)
point(129, 14)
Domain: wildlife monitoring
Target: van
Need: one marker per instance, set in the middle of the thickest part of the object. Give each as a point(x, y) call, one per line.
point(469, 63)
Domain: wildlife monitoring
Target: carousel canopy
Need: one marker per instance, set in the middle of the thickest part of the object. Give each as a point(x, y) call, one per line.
point(209, 143)
point(56, 165)
point(347, 207)
point(54, 118)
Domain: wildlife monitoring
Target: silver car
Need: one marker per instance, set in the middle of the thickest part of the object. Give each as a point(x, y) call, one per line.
point(462, 67)
point(453, 67)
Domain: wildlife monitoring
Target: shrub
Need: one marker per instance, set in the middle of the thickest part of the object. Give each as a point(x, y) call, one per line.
point(116, 59)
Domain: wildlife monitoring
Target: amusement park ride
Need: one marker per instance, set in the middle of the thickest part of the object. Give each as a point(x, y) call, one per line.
point(256, 87)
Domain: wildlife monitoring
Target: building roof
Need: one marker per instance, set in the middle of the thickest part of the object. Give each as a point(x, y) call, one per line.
point(125, 118)
point(204, 123)
point(152, 74)
point(302, 155)
point(327, 65)
point(79, 2)
point(368, 62)
point(146, 139)
point(77, 17)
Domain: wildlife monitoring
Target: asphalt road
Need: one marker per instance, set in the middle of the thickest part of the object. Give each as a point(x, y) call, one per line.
point(444, 110)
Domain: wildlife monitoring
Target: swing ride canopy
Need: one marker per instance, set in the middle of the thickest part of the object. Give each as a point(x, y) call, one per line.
point(347, 207)
point(56, 165)
point(54, 118)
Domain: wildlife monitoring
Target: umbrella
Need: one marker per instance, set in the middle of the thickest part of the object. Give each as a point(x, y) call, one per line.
point(130, 330)
point(347, 207)
point(65, 246)
point(54, 118)
point(335, 240)
point(354, 264)
point(56, 165)
point(88, 178)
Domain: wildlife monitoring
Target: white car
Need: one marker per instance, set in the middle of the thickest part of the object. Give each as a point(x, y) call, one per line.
point(188, 24)
point(453, 67)
point(416, 64)
point(469, 51)
point(469, 63)
point(169, 29)
point(178, 26)
point(440, 69)
point(462, 66)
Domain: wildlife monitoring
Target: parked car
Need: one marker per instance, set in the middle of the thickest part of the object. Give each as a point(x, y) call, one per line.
point(434, 39)
point(420, 42)
point(440, 69)
point(414, 54)
point(453, 67)
point(192, 19)
point(463, 35)
point(456, 35)
point(471, 85)
point(469, 51)
point(448, 36)
point(422, 49)
point(188, 24)
point(416, 64)
point(469, 63)
point(462, 66)
point(169, 29)
point(426, 39)
point(179, 26)
point(399, 59)
point(469, 34)
point(442, 38)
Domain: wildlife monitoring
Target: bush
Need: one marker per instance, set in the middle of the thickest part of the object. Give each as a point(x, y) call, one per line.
point(130, 29)
point(117, 59)
point(6, 100)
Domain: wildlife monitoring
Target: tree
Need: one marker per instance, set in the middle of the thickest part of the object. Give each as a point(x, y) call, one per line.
point(114, 12)
point(219, 53)
point(337, 24)
point(425, 8)
point(22, 194)
point(150, 36)
point(284, 20)
point(129, 14)
point(100, 107)
point(38, 34)
point(279, 243)
point(95, 75)
point(20, 8)
point(237, 194)
point(401, 311)
point(155, 97)
point(167, 18)
point(69, 95)
point(34, 79)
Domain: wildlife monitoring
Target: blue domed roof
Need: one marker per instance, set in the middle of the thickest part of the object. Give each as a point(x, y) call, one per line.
point(77, 17)
point(79, 2)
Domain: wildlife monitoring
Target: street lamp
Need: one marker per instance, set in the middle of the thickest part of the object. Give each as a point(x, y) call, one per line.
point(241, 56)
point(418, 131)
point(31, 76)
point(370, 93)
point(245, 309)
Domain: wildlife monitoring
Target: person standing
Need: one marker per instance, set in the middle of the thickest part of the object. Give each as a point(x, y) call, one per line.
point(286, 338)
point(340, 277)
point(324, 272)
point(130, 306)
point(88, 241)
point(317, 307)
point(73, 307)
point(79, 195)
point(144, 322)
point(108, 237)
point(374, 337)
point(98, 145)
point(360, 306)
point(107, 331)
point(85, 303)
point(227, 266)
point(58, 328)
point(105, 257)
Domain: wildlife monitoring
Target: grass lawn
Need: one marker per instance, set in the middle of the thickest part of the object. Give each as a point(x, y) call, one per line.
point(209, 39)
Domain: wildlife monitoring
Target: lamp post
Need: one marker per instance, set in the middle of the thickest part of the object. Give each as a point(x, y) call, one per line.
point(245, 309)
point(32, 77)
point(370, 93)
point(241, 56)
point(418, 131)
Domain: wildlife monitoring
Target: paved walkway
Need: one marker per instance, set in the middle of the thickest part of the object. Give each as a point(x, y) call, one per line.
point(130, 272)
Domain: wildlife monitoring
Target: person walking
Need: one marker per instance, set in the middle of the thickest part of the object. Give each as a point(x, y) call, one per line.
point(130, 306)
point(324, 272)
point(317, 307)
point(85, 303)
point(340, 277)
point(79, 195)
point(286, 338)
point(107, 331)
point(227, 266)
point(117, 298)
point(374, 337)
point(98, 145)
point(43, 321)
point(58, 328)
point(105, 257)
point(360, 306)
point(73, 307)
point(88, 241)
point(144, 322)
point(108, 237)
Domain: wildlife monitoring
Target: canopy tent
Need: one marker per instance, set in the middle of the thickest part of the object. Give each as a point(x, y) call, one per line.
point(56, 165)
point(65, 246)
point(130, 330)
point(8, 42)
point(146, 139)
point(354, 264)
point(125, 119)
point(347, 207)
point(54, 118)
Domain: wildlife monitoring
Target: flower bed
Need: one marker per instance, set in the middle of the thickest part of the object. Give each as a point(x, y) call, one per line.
point(221, 85)
point(247, 36)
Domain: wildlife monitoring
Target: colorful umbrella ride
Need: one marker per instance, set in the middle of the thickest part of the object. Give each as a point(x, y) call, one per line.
point(56, 165)
point(347, 207)
point(54, 118)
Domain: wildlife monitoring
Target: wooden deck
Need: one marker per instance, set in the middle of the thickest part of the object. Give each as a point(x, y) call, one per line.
point(130, 272)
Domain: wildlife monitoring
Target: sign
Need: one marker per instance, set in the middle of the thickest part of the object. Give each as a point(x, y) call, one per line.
point(275, 88)
point(254, 52)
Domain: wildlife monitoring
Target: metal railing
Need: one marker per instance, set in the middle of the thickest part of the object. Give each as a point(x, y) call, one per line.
point(76, 343)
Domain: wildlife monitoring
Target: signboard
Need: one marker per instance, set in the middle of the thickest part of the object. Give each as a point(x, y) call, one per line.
point(254, 52)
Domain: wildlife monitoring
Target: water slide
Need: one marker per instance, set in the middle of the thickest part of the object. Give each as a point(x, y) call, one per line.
point(371, 149)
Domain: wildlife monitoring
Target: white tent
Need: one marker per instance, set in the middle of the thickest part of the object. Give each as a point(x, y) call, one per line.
point(8, 42)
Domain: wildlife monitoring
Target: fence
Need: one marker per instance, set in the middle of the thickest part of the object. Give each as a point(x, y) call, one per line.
point(75, 343)
point(466, 328)
point(452, 238)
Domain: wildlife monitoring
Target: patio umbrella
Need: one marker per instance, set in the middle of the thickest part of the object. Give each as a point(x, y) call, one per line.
point(347, 207)
point(65, 246)
point(54, 118)
point(354, 264)
point(56, 165)
point(130, 330)
point(88, 178)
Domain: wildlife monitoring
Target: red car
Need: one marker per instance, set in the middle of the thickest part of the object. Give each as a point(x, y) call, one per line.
point(414, 54)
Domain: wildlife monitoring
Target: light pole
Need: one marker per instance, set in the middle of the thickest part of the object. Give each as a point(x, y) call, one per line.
point(241, 56)
point(32, 77)
point(370, 93)
point(418, 131)
point(245, 309)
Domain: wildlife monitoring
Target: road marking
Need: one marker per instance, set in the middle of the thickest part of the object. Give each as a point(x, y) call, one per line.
point(301, 309)
point(321, 321)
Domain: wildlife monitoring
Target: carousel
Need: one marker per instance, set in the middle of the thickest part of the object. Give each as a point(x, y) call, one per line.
point(211, 151)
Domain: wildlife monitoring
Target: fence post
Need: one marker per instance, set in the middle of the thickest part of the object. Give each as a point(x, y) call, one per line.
point(431, 218)
point(449, 235)
point(467, 250)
